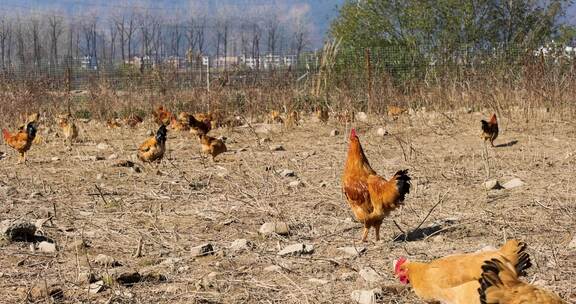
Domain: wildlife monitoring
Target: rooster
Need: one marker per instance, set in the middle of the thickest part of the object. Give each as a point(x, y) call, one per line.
point(499, 284)
point(211, 145)
point(490, 129)
point(153, 148)
point(21, 141)
point(68, 127)
point(199, 127)
point(454, 279)
point(370, 196)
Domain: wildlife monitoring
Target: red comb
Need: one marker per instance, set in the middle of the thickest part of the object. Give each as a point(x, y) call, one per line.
point(353, 132)
point(399, 263)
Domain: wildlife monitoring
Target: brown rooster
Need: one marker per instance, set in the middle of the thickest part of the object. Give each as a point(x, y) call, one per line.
point(490, 129)
point(21, 141)
point(153, 148)
point(370, 196)
point(199, 127)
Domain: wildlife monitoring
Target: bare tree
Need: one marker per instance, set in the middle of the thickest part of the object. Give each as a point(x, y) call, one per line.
point(120, 25)
point(201, 35)
point(55, 24)
point(113, 35)
point(36, 43)
point(176, 38)
point(5, 41)
point(272, 32)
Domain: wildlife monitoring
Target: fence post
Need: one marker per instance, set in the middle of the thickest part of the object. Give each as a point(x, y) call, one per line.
point(369, 78)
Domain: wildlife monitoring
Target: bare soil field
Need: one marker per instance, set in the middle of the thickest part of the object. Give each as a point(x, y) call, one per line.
point(97, 208)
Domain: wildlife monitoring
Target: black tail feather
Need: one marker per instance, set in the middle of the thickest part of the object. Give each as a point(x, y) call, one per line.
point(402, 183)
point(523, 260)
point(490, 271)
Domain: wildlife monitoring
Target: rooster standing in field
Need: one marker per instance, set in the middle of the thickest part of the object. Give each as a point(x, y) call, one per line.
point(490, 129)
point(370, 196)
point(21, 141)
point(153, 148)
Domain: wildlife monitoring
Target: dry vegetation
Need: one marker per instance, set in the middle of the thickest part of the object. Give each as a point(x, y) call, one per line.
point(190, 200)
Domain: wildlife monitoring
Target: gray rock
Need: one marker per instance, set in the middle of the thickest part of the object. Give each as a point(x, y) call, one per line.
point(286, 173)
point(241, 245)
point(277, 148)
point(280, 228)
point(46, 247)
point(18, 230)
point(96, 287)
point(513, 183)
point(492, 185)
point(370, 275)
point(106, 261)
point(296, 249)
point(334, 132)
point(352, 251)
point(202, 250)
point(366, 296)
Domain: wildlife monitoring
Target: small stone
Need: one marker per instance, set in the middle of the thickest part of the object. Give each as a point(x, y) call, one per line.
point(277, 148)
point(19, 230)
point(366, 296)
point(513, 183)
point(492, 185)
point(202, 250)
point(106, 261)
point(296, 249)
point(572, 244)
point(381, 132)
point(96, 287)
point(280, 228)
point(361, 116)
point(241, 245)
point(352, 251)
point(318, 281)
point(370, 275)
point(286, 173)
point(99, 176)
point(46, 247)
point(273, 268)
point(334, 132)
point(113, 156)
point(295, 184)
point(102, 146)
point(55, 159)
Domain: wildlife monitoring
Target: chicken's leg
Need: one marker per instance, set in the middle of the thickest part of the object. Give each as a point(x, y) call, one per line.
point(365, 234)
point(377, 228)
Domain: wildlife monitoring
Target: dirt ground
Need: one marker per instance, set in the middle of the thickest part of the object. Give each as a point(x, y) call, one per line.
point(188, 201)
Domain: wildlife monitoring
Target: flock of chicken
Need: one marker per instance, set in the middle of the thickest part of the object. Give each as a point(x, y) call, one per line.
point(487, 277)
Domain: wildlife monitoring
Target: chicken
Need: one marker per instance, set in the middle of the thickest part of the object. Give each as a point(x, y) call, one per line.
point(21, 141)
point(133, 120)
point(113, 123)
point(69, 129)
point(292, 119)
point(322, 114)
point(499, 284)
point(211, 145)
point(274, 117)
point(490, 129)
point(32, 118)
point(370, 196)
point(199, 127)
point(180, 123)
point(154, 147)
point(162, 116)
point(454, 279)
point(395, 111)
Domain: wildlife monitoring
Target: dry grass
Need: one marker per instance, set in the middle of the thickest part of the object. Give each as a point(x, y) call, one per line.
point(193, 201)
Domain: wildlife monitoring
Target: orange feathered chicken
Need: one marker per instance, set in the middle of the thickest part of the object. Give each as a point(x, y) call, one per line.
point(211, 145)
point(69, 129)
point(370, 196)
point(490, 129)
point(133, 120)
point(21, 141)
point(199, 126)
point(454, 279)
point(500, 285)
point(153, 148)
point(162, 116)
point(322, 114)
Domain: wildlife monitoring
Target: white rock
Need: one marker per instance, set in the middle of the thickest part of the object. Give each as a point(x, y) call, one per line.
point(296, 249)
point(241, 245)
point(513, 183)
point(295, 184)
point(113, 156)
point(280, 228)
point(55, 158)
point(273, 268)
point(352, 251)
point(318, 281)
point(46, 247)
point(96, 287)
point(102, 146)
point(286, 173)
point(276, 148)
point(572, 244)
point(361, 116)
point(492, 185)
point(366, 296)
point(381, 132)
point(202, 250)
point(334, 132)
point(370, 275)
point(99, 176)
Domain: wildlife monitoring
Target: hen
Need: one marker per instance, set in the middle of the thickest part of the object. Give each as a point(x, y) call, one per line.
point(500, 285)
point(133, 120)
point(370, 196)
point(199, 126)
point(322, 114)
point(69, 129)
point(180, 123)
point(162, 116)
point(21, 141)
point(490, 129)
point(211, 145)
point(153, 148)
point(454, 279)
point(292, 119)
